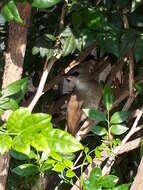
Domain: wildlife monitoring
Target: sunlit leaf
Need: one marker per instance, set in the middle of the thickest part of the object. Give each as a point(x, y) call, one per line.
point(94, 114)
point(98, 130)
point(44, 3)
point(108, 97)
point(119, 117)
point(118, 129)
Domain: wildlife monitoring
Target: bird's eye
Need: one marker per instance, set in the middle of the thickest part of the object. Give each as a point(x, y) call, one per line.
point(75, 74)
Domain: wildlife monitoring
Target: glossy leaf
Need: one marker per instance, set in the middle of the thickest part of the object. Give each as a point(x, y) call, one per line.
point(5, 143)
point(59, 167)
point(36, 122)
point(14, 11)
point(108, 181)
point(94, 114)
point(70, 174)
point(61, 141)
point(56, 156)
point(68, 45)
point(39, 142)
point(119, 117)
point(15, 87)
point(108, 97)
point(15, 121)
point(89, 159)
point(44, 3)
point(98, 130)
point(97, 153)
point(122, 187)
point(7, 13)
point(68, 163)
point(10, 12)
point(8, 103)
point(21, 146)
point(95, 174)
point(118, 129)
point(26, 170)
point(48, 165)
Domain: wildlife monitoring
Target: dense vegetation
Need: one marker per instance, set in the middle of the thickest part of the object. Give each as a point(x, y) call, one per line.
point(42, 44)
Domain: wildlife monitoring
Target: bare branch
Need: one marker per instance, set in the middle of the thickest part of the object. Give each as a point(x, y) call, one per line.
point(46, 71)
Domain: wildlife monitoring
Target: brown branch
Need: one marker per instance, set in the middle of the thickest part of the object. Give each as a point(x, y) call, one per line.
point(129, 146)
point(115, 69)
point(63, 15)
point(110, 161)
point(138, 181)
point(46, 71)
point(131, 58)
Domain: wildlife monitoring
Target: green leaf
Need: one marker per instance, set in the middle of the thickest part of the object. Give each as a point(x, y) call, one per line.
point(7, 13)
point(119, 117)
point(70, 174)
point(5, 143)
point(21, 146)
point(51, 37)
point(15, 87)
point(68, 163)
point(21, 156)
point(15, 121)
point(139, 87)
point(122, 187)
point(14, 11)
point(56, 156)
point(36, 122)
point(108, 43)
point(108, 181)
point(10, 12)
point(61, 141)
point(18, 155)
point(95, 174)
point(50, 53)
point(39, 142)
point(118, 129)
point(108, 97)
point(127, 41)
point(94, 114)
point(138, 49)
point(26, 170)
point(8, 103)
point(48, 165)
point(89, 159)
point(44, 3)
point(59, 167)
point(97, 153)
point(68, 45)
point(98, 130)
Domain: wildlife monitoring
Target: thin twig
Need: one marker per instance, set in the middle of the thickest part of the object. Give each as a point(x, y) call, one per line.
point(47, 68)
point(111, 159)
point(130, 55)
point(63, 15)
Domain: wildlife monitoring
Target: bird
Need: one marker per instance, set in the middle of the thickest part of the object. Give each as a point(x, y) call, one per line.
point(87, 93)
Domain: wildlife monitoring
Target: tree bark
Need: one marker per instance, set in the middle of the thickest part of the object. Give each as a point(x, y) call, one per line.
point(138, 181)
point(14, 58)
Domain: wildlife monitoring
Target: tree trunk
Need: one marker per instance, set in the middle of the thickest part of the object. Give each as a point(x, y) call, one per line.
point(138, 181)
point(14, 58)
